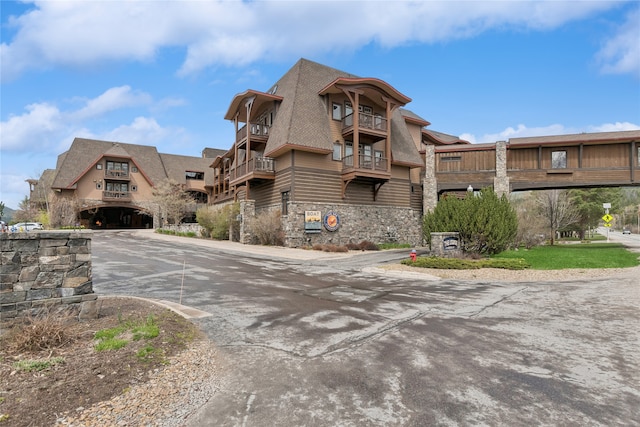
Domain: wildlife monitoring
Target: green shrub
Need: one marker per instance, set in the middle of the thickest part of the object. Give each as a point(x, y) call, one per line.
point(467, 264)
point(487, 224)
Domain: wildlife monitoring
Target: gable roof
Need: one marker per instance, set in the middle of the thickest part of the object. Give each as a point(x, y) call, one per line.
point(440, 138)
point(85, 153)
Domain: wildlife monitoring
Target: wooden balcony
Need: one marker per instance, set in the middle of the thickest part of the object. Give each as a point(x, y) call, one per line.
point(116, 196)
point(261, 168)
point(369, 166)
point(258, 131)
point(118, 175)
point(368, 123)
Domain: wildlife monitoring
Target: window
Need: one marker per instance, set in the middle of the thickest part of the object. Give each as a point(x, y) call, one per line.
point(348, 148)
point(134, 188)
point(117, 168)
point(558, 160)
point(99, 185)
point(348, 109)
point(451, 158)
point(285, 203)
point(337, 151)
point(639, 156)
point(195, 175)
point(336, 112)
point(99, 166)
point(134, 169)
point(117, 186)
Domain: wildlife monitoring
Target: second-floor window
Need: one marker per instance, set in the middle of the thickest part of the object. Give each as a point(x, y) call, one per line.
point(337, 151)
point(336, 113)
point(558, 160)
point(117, 186)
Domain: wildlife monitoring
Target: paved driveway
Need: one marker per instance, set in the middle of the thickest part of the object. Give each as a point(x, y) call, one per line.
point(330, 341)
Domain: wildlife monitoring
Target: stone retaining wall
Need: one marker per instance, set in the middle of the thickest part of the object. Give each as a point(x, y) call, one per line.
point(46, 270)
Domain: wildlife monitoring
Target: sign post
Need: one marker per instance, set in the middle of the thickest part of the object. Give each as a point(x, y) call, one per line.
point(607, 218)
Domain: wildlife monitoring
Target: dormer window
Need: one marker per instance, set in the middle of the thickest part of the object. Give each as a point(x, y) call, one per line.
point(198, 176)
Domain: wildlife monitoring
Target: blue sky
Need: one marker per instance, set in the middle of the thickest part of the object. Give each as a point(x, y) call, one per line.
point(163, 73)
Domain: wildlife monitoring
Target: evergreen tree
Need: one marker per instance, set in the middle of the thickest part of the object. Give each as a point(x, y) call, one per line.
point(487, 223)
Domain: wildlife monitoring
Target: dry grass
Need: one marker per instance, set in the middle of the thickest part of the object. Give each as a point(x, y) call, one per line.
point(43, 331)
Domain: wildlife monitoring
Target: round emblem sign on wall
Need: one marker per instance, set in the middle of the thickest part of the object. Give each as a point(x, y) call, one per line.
point(331, 221)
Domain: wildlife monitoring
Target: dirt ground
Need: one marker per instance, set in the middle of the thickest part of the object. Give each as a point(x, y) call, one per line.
point(86, 376)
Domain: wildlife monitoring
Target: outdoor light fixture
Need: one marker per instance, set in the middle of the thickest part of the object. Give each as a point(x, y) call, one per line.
point(470, 189)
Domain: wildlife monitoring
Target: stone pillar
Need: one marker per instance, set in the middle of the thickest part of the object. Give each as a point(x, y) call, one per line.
point(501, 180)
point(247, 213)
point(429, 185)
point(446, 245)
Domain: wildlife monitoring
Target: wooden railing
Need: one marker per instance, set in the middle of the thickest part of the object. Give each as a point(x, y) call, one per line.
point(367, 162)
point(116, 195)
point(112, 173)
point(257, 129)
point(259, 164)
point(366, 121)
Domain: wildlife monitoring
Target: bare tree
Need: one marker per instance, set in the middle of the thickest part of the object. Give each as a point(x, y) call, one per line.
point(557, 209)
point(172, 200)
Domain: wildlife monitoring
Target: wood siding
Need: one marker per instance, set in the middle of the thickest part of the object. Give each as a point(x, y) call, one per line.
point(460, 161)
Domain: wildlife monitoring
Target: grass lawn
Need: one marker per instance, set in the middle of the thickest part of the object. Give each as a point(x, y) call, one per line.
point(590, 255)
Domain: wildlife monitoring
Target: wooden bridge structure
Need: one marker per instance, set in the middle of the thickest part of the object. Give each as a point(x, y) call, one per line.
point(608, 159)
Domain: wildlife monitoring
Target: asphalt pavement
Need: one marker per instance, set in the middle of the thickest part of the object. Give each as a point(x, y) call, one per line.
point(322, 339)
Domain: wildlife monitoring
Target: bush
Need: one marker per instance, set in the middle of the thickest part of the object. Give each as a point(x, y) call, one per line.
point(216, 221)
point(467, 264)
point(45, 331)
point(487, 224)
point(266, 228)
point(330, 248)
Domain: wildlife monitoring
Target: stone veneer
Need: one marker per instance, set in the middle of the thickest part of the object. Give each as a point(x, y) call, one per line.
point(46, 270)
point(378, 224)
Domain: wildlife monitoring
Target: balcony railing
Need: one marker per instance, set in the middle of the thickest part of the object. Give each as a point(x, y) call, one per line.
point(116, 195)
point(366, 121)
point(258, 164)
point(117, 174)
point(257, 129)
point(367, 162)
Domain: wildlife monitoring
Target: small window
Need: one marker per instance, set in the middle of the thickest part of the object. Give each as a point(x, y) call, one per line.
point(336, 112)
point(134, 188)
point(99, 166)
point(639, 156)
point(134, 169)
point(558, 159)
point(98, 185)
point(337, 151)
point(451, 158)
point(285, 203)
point(195, 175)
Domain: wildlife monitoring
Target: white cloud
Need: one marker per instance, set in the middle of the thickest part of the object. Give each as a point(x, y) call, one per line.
point(44, 127)
point(83, 33)
point(113, 99)
point(621, 54)
point(33, 130)
point(522, 131)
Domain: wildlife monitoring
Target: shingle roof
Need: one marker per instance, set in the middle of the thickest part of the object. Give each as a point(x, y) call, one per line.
point(439, 138)
point(85, 153)
point(176, 166)
point(578, 138)
point(302, 116)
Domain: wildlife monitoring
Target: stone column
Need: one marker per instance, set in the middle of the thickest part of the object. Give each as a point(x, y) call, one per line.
point(429, 185)
point(247, 213)
point(501, 180)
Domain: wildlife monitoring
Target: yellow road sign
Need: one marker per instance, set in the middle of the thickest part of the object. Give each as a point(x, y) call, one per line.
point(607, 224)
point(607, 218)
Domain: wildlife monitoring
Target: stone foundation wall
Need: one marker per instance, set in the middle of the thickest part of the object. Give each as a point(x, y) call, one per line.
point(378, 224)
point(46, 270)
